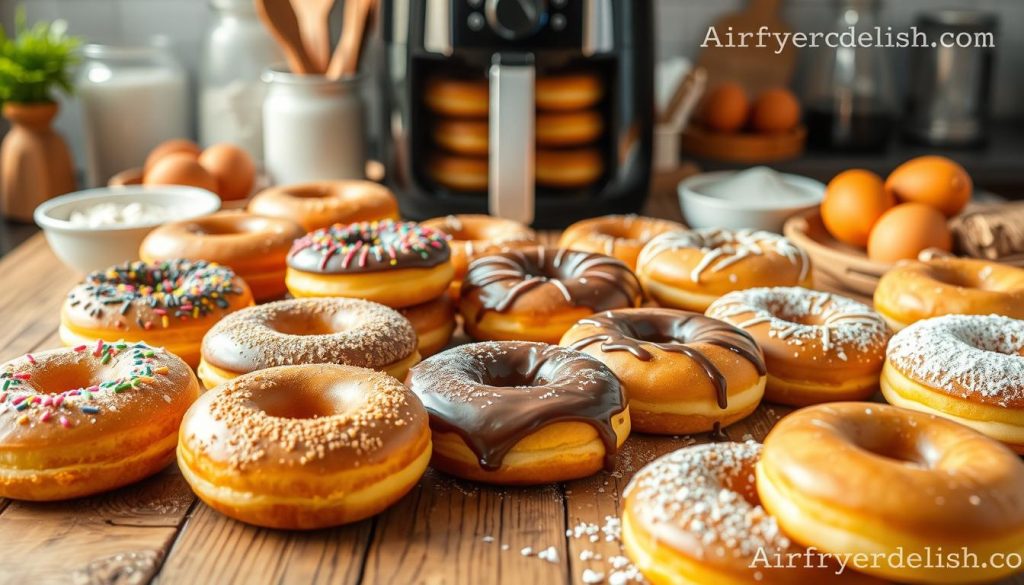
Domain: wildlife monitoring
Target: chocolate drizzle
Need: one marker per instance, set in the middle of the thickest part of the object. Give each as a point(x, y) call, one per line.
point(369, 247)
point(672, 331)
point(495, 394)
point(585, 279)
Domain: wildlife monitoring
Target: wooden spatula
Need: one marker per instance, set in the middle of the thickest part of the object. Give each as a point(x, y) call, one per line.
point(314, 24)
point(358, 18)
point(756, 68)
point(279, 18)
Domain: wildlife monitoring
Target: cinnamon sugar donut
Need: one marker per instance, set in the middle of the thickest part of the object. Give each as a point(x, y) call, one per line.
point(308, 331)
point(968, 368)
point(325, 203)
point(619, 236)
point(818, 346)
point(690, 269)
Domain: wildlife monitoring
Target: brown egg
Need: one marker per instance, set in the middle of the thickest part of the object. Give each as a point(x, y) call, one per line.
point(932, 180)
point(907, 229)
point(180, 169)
point(176, 145)
point(233, 169)
point(854, 200)
point(726, 108)
point(775, 110)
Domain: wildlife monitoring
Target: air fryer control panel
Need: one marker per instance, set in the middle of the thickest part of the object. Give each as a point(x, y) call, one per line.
point(553, 24)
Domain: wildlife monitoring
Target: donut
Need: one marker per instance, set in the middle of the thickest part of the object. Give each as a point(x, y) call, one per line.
point(470, 137)
point(859, 479)
point(461, 136)
point(913, 291)
point(459, 173)
point(567, 92)
point(253, 246)
point(818, 346)
point(537, 294)
point(461, 98)
point(325, 203)
point(471, 236)
point(398, 264)
point(304, 447)
point(170, 303)
point(308, 331)
point(690, 269)
point(968, 368)
point(520, 413)
point(619, 236)
point(80, 421)
point(568, 169)
point(693, 516)
point(683, 372)
point(434, 323)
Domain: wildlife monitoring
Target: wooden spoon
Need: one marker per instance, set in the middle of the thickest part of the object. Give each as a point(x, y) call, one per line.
point(345, 61)
point(279, 18)
point(314, 24)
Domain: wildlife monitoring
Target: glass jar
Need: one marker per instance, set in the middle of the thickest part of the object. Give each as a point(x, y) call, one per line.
point(313, 128)
point(238, 49)
point(133, 98)
point(849, 99)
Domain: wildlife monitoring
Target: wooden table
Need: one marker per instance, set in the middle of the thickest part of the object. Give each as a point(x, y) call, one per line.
point(445, 531)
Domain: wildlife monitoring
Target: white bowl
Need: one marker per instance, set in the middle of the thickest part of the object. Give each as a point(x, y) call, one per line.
point(705, 211)
point(92, 248)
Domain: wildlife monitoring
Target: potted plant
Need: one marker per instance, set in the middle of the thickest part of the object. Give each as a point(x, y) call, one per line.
point(35, 164)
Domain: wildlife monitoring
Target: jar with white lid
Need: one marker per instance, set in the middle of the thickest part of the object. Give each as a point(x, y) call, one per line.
point(313, 128)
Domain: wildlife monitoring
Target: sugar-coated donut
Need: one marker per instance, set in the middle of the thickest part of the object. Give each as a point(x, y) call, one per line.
point(949, 286)
point(325, 203)
point(303, 447)
point(869, 480)
point(693, 516)
point(537, 294)
point(170, 303)
point(619, 236)
point(253, 246)
point(683, 372)
point(308, 331)
point(79, 421)
point(471, 236)
point(461, 98)
point(556, 130)
point(819, 347)
point(398, 264)
point(520, 413)
point(690, 269)
point(567, 92)
point(434, 323)
point(968, 368)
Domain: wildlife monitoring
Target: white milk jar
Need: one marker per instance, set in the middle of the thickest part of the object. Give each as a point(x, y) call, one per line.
point(312, 128)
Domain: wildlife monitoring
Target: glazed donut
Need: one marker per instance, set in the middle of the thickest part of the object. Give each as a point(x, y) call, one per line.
point(434, 323)
point(693, 516)
point(520, 413)
point(537, 294)
point(470, 137)
point(968, 368)
point(253, 246)
point(619, 236)
point(857, 479)
point(325, 203)
point(461, 98)
point(84, 420)
point(683, 372)
point(568, 169)
point(567, 92)
point(303, 447)
point(690, 269)
point(395, 264)
point(472, 236)
point(459, 173)
point(170, 304)
point(819, 347)
point(949, 286)
point(308, 331)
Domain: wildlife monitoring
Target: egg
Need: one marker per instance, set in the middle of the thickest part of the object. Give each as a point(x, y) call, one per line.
point(233, 169)
point(775, 110)
point(180, 168)
point(726, 108)
point(907, 229)
point(167, 147)
point(853, 202)
point(933, 180)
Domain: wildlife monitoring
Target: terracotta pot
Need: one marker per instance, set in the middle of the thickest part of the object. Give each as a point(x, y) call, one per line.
point(35, 164)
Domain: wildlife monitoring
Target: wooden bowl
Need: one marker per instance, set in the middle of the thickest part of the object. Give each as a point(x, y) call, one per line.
point(843, 265)
point(744, 147)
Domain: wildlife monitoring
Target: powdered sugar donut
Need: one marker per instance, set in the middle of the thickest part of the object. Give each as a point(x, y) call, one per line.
point(968, 368)
point(818, 346)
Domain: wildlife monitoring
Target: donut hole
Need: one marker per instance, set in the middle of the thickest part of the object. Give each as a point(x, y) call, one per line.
point(962, 279)
point(53, 380)
point(307, 192)
point(785, 313)
point(239, 225)
point(307, 324)
point(286, 403)
point(897, 443)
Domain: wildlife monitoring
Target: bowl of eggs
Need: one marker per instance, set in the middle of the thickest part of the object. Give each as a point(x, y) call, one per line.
point(96, 228)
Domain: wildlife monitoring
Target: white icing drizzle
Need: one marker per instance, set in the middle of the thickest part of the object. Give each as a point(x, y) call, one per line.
point(723, 248)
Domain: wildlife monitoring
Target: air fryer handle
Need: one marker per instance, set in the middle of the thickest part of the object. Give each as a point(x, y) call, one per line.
point(511, 139)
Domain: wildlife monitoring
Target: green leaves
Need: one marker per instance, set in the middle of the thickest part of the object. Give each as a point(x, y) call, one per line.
point(37, 59)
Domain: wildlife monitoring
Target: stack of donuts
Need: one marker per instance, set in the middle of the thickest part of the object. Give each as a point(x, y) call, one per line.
point(568, 126)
